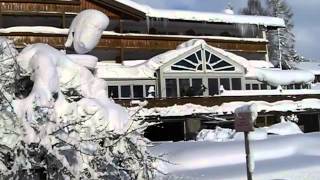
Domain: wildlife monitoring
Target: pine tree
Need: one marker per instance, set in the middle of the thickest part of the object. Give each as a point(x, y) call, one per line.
point(254, 7)
point(282, 41)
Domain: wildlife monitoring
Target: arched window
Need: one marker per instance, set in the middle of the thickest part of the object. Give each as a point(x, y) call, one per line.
point(190, 63)
point(214, 63)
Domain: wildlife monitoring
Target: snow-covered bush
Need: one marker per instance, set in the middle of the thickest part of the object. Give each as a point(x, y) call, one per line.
point(63, 126)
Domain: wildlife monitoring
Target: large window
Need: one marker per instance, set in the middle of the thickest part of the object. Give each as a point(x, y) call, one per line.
point(184, 85)
point(190, 63)
point(171, 87)
point(125, 92)
point(113, 91)
point(138, 91)
point(213, 86)
point(225, 82)
point(236, 83)
point(214, 63)
point(197, 87)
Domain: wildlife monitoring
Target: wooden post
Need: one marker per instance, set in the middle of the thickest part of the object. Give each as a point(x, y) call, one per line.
point(63, 20)
point(248, 156)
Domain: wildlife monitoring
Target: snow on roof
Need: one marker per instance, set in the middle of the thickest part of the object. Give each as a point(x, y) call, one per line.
point(311, 66)
point(204, 16)
point(108, 70)
point(229, 108)
point(261, 64)
point(54, 30)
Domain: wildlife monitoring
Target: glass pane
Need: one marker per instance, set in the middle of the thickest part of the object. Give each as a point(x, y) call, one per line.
point(171, 87)
point(113, 91)
point(193, 58)
point(213, 86)
point(221, 64)
point(150, 91)
point(138, 91)
point(225, 82)
point(236, 83)
point(255, 86)
point(199, 56)
point(197, 87)
point(184, 85)
point(125, 91)
point(264, 86)
point(214, 59)
point(248, 87)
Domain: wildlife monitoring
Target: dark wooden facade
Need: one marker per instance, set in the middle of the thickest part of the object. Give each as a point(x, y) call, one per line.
point(136, 42)
point(66, 10)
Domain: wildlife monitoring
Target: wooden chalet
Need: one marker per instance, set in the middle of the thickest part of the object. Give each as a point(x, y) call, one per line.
point(137, 35)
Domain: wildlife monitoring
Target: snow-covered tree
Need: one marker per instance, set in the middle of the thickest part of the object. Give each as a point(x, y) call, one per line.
point(254, 7)
point(282, 41)
point(61, 125)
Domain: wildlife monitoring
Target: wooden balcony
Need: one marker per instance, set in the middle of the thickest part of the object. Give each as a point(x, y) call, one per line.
point(137, 41)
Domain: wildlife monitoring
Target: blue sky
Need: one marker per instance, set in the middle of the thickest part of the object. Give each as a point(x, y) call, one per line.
point(306, 13)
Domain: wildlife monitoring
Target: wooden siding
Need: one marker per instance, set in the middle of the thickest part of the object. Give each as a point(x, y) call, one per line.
point(41, 7)
point(36, 6)
point(137, 42)
point(87, 4)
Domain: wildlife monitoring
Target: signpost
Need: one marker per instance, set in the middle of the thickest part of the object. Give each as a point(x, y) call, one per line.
point(245, 117)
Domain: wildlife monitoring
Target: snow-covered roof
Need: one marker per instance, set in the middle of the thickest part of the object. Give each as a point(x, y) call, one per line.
point(311, 66)
point(203, 16)
point(109, 70)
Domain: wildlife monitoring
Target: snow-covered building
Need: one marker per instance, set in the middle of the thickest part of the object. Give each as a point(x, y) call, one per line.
point(136, 31)
point(195, 68)
point(203, 58)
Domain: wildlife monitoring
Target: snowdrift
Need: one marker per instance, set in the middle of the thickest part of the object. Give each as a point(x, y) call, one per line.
point(279, 157)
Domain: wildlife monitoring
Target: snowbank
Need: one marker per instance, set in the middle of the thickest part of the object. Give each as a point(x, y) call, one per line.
point(229, 108)
point(291, 157)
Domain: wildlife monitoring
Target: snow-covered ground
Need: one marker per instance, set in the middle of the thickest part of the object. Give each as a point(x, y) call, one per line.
point(290, 157)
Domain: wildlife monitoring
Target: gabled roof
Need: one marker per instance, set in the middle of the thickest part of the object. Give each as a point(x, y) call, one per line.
point(147, 69)
point(200, 16)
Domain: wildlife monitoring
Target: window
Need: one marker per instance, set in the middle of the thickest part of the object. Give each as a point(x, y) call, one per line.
point(138, 91)
point(255, 86)
point(125, 91)
point(150, 91)
point(236, 83)
point(214, 63)
point(264, 86)
point(113, 91)
point(225, 82)
point(248, 87)
point(190, 63)
point(213, 86)
point(184, 85)
point(197, 87)
point(171, 87)
point(297, 86)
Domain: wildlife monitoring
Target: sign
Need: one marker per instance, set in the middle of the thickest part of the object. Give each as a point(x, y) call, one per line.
point(245, 117)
